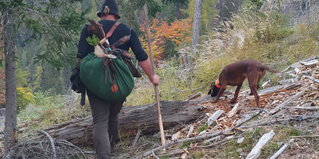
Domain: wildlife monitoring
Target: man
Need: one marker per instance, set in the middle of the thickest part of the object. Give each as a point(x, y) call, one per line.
point(105, 114)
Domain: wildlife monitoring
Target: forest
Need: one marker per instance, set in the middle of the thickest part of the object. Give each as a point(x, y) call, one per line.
point(191, 41)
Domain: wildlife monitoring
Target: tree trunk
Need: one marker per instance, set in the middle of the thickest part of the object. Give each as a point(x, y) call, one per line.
point(65, 75)
point(131, 119)
point(10, 68)
point(1, 40)
point(196, 23)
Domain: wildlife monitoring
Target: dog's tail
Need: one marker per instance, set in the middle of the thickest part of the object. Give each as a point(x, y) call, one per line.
point(269, 69)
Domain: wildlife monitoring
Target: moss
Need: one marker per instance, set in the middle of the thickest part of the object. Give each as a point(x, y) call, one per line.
point(186, 144)
point(284, 132)
point(269, 149)
point(197, 155)
point(231, 150)
point(202, 128)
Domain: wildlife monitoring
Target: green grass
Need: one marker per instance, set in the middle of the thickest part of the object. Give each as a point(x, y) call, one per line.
point(202, 128)
point(47, 110)
point(185, 144)
point(197, 155)
point(233, 150)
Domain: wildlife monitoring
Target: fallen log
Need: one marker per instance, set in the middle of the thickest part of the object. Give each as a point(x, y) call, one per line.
point(131, 118)
point(256, 151)
point(214, 117)
point(233, 111)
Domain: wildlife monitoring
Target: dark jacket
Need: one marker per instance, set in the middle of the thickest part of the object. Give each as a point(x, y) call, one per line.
point(84, 48)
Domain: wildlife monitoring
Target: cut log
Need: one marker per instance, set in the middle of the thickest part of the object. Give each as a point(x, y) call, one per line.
point(255, 152)
point(233, 111)
point(214, 117)
point(190, 131)
point(131, 119)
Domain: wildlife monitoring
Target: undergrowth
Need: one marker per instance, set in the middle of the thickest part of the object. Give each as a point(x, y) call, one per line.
point(48, 109)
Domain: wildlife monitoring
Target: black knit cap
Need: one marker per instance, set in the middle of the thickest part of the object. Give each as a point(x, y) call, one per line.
point(109, 7)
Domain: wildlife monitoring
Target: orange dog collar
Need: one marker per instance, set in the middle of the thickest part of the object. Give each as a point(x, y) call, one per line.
point(217, 84)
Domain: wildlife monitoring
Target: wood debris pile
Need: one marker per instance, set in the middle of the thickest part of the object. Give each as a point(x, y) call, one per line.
point(294, 99)
point(44, 147)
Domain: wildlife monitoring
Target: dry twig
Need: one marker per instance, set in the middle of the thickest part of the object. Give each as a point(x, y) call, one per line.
point(44, 147)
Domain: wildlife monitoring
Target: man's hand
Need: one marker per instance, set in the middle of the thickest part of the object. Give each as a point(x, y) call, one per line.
point(147, 68)
point(155, 80)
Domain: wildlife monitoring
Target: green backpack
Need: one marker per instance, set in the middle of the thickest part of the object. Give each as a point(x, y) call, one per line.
point(110, 84)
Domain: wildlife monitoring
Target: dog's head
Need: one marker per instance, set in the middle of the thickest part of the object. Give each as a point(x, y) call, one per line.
point(214, 88)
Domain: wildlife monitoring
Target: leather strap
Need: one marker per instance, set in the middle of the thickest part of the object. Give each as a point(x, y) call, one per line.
point(110, 33)
point(115, 25)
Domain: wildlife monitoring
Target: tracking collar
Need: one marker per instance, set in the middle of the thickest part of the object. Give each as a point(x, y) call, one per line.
point(217, 84)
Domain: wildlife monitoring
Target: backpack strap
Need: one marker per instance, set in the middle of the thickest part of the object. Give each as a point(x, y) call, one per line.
point(115, 25)
point(110, 33)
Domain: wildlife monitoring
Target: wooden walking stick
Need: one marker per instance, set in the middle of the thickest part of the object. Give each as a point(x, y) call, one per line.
point(155, 87)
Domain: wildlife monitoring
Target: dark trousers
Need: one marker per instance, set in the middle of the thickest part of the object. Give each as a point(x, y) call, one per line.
point(105, 124)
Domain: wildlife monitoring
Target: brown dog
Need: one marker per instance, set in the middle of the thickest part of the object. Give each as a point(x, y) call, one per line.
point(235, 74)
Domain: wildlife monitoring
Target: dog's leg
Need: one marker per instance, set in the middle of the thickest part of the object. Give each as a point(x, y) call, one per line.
point(253, 82)
point(220, 92)
point(262, 74)
point(235, 95)
point(254, 91)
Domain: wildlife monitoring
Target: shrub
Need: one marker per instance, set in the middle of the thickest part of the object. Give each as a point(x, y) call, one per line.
point(24, 97)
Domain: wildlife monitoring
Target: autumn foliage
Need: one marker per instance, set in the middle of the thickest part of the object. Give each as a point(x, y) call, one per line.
point(178, 32)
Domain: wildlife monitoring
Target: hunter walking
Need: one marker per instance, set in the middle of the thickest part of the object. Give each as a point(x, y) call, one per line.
point(105, 112)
